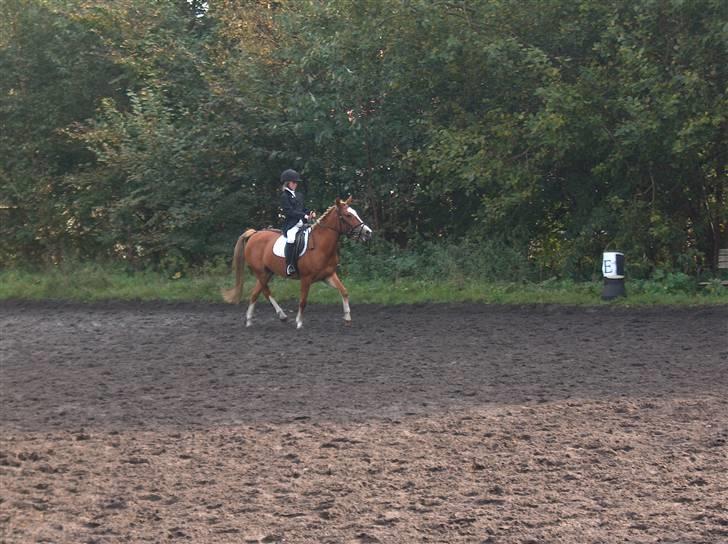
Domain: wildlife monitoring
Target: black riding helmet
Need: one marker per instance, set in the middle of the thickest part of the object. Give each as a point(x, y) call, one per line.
point(290, 175)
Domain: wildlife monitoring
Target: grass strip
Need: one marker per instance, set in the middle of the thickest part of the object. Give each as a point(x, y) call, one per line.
point(89, 283)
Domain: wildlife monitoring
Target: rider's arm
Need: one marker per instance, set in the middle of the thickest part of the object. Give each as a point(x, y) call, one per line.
point(288, 209)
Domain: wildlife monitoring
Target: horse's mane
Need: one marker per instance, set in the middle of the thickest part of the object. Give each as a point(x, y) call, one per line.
point(323, 216)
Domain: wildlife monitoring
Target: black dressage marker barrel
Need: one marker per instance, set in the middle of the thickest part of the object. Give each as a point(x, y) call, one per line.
point(613, 271)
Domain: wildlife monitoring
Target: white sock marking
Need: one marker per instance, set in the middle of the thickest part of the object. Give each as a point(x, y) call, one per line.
point(249, 314)
point(277, 308)
point(347, 310)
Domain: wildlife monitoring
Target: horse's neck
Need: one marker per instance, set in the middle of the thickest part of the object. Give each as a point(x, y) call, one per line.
point(325, 238)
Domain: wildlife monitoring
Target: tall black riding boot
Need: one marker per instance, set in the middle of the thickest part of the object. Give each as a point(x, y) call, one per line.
point(290, 270)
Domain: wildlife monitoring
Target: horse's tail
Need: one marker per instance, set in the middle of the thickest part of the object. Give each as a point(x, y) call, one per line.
point(233, 295)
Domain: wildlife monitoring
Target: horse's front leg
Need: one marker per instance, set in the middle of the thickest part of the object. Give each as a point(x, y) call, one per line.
point(334, 281)
point(305, 286)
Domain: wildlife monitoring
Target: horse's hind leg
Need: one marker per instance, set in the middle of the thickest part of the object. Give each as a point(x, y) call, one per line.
point(266, 292)
point(334, 281)
point(253, 299)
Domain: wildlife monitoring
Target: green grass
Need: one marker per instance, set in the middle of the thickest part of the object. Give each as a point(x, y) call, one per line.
point(90, 283)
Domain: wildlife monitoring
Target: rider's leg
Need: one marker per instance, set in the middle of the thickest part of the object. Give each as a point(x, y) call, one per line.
point(290, 240)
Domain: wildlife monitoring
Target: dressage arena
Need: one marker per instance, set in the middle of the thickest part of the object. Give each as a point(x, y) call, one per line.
point(128, 422)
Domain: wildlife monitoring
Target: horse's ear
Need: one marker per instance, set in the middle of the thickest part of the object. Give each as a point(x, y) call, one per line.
point(338, 201)
point(348, 200)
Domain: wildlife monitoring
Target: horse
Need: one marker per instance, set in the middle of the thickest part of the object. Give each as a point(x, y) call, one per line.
point(318, 263)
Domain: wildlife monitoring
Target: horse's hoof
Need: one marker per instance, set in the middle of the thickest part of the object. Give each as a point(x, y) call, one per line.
point(283, 317)
point(347, 323)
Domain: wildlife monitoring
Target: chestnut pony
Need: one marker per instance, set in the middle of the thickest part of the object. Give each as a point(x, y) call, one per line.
point(255, 248)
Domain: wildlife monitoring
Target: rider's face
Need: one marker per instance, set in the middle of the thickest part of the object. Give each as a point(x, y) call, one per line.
point(292, 185)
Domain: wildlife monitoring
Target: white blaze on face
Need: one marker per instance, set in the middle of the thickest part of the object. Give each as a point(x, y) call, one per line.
point(365, 228)
point(353, 211)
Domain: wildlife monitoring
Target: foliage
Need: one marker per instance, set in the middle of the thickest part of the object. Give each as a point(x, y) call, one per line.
point(500, 140)
point(427, 260)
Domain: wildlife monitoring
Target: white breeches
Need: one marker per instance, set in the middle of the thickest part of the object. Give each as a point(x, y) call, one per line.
point(291, 234)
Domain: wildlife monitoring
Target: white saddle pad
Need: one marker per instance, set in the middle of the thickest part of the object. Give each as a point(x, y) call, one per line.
point(279, 247)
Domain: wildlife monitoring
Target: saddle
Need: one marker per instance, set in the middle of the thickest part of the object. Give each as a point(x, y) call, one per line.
point(299, 246)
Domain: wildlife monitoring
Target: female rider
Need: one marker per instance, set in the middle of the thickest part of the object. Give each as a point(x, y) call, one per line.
point(295, 213)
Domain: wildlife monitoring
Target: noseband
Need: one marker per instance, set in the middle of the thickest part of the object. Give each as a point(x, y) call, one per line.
point(356, 232)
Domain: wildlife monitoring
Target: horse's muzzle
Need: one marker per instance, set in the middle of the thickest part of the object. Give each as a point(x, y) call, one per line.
point(364, 234)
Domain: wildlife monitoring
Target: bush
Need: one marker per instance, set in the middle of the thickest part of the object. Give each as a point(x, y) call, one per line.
point(663, 281)
point(425, 260)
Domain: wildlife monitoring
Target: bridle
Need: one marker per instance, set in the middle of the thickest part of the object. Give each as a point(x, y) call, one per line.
point(354, 233)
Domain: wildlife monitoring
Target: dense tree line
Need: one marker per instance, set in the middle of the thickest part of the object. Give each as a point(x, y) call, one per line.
point(154, 132)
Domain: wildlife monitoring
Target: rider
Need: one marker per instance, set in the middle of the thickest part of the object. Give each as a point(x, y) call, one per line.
point(295, 212)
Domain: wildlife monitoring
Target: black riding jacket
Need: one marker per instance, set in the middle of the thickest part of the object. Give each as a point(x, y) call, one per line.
point(293, 209)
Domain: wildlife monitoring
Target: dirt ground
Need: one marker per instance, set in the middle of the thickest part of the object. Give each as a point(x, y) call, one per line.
point(128, 422)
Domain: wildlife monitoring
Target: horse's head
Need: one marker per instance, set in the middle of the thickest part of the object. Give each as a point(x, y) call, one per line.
point(350, 223)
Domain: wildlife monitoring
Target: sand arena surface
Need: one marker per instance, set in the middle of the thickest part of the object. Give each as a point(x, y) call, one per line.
point(125, 422)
